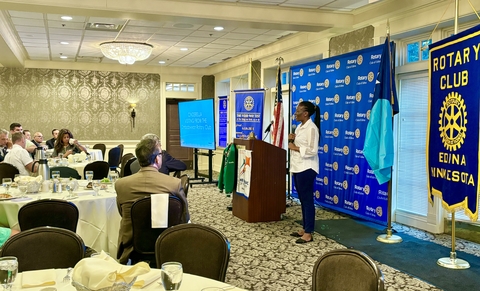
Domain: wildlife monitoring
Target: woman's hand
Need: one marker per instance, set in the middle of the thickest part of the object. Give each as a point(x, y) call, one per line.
point(293, 147)
point(67, 153)
point(291, 136)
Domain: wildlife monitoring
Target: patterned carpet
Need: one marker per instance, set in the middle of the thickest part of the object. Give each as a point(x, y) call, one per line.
point(264, 256)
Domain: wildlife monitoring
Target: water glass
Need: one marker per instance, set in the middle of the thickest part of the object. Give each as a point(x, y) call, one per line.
point(8, 272)
point(113, 179)
point(96, 187)
point(55, 175)
point(172, 275)
point(70, 187)
point(89, 176)
point(7, 182)
point(23, 188)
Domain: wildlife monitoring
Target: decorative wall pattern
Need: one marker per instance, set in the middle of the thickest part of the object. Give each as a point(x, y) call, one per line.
point(352, 41)
point(93, 105)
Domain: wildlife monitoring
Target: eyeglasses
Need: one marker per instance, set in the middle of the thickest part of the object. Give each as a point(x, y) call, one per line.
point(159, 154)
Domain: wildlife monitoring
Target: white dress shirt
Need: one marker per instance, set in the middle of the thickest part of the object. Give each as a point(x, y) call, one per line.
point(19, 157)
point(306, 138)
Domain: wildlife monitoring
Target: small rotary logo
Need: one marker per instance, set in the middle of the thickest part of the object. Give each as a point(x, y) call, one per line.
point(336, 98)
point(346, 150)
point(356, 205)
point(317, 100)
point(301, 72)
point(309, 86)
point(335, 166)
point(453, 121)
point(345, 185)
point(294, 88)
point(357, 132)
point(327, 83)
point(317, 194)
point(335, 199)
point(347, 80)
point(371, 75)
point(366, 189)
point(335, 132)
point(325, 148)
point(224, 104)
point(379, 211)
point(368, 114)
point(358, 96)
point(359, 59)
point(325, 180)
point(325, 116)
point(337, 64)
point(249, 103)
point(346, 115)
point(356, 169)
point(317, 69)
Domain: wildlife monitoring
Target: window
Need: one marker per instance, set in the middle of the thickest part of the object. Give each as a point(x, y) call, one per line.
point(418, 50)
point(180, 87)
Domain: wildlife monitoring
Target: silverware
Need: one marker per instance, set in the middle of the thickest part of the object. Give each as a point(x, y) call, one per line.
point(67, 278)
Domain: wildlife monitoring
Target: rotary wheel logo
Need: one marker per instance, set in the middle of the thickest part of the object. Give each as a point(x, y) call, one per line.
point(368, 114)
point(335, 166)
point(317, 69)
point(357, 133)
point(379, 211)
point(453, 121)
point(366, 189)
point(345, 185)
point(327, 83)
point(335, 132)
point(325, 148)
point(347, 80)
point(336, 98)
point(325, 116)
point(356, 205)
point(294, 88)
point(370, 76)
point(359, 59)
point(346, 115)
point(358, 96)
point(309, 86)
point(335, 199)
point(346, 150)
point(248, 103)
point(301, 72)
point(317, 100)
point(337, 64)
point(356, 169)
point(317, 194)
point(325, 181)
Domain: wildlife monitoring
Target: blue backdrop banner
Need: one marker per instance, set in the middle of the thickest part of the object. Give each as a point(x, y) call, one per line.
point(453, 135)
point(343, 87)
point(222, 121)
point(249, 113)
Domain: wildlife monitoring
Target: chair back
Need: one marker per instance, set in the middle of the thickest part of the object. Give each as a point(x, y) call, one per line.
point(66, 172)
point(135, 166)
point(102, 147)
point(122, 147)
point(185, 183)
point(44, 248)
point(48, 212)
point(144, 236)
point(114, 157)
point(127, 169)
point(346, 270)
point(125, 159)
point(100, 169)
point(8, 171)
point(202, 250)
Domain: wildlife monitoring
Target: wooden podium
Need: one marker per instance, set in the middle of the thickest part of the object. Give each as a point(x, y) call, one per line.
point(267, 199)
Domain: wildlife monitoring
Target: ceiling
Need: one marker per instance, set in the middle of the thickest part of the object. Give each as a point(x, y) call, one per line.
point(34, 31)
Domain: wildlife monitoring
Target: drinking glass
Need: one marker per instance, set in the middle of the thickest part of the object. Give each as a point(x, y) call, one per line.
point(113, 179)
point(23, 188)
point(8, 272)
point(69, 187)
point(89, 176)
point(172, 275)
point(96, 187)
point(7, 182)
point(55, 175)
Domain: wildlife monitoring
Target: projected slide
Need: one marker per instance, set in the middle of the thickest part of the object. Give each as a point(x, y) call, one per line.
point(197, 124)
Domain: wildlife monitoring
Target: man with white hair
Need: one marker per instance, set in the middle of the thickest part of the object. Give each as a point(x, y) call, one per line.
point(4, 143)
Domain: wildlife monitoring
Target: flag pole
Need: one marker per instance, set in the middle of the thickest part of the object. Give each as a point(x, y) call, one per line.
point(389, 237)
point(452, 262)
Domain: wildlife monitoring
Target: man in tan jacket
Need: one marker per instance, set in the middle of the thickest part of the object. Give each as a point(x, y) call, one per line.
point(144, 183)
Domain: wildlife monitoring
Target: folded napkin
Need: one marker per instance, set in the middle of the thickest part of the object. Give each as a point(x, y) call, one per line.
point(103, 271)
point(38, 278)
point(148, 278)
point(159, 210)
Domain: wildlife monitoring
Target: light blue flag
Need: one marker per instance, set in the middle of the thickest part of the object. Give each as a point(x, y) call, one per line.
point(378, 148)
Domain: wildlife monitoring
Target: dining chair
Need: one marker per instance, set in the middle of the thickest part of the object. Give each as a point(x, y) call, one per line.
point(346, 270)
point(114, 157)
point(127, 168)
point(185, 183)
point(102, 147)
point(122, 147)
point(100, 169)
point(48, 212)
point(44, 248)
point(144, 236)
point(135, 166)
point(202, 250)
point(125, 159)
point(8, 171)
point(66, 172)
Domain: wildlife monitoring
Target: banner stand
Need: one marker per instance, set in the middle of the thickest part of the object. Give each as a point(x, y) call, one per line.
point(389, 238)
point(452, 262)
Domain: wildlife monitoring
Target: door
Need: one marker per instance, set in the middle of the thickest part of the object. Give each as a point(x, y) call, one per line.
point(173, 135)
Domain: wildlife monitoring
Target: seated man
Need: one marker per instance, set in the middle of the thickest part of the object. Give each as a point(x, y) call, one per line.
point(51, 142)
point(19, 157)
point(6, 233)
point(4, 144)
point(29, 146)
point(144, 183)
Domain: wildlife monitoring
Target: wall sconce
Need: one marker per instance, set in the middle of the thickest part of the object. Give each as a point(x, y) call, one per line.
point(133, 114)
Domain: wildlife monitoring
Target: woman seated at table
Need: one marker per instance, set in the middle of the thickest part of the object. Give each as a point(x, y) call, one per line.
point(6, 233)
point(64, 146)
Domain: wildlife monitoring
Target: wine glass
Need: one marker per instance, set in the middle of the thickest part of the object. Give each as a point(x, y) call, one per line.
point(8, 272)
point(172, 275)
point(55, 175)
point(7, 182)
point(23, 188)
point(96, 187)
point(89, 176)
point(113, 179)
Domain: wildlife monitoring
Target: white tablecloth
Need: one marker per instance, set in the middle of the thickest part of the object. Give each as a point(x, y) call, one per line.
point(189, 283)
point(95, 154)
point(99, 220)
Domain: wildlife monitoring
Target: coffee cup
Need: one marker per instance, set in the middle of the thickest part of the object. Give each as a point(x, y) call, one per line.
point(71, 141)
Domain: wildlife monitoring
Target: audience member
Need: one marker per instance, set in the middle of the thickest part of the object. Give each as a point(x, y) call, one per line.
point(17, 127)
point(4, 143)
point(27, 134)
point(144, 183)
point(38, 139)
point(64, 146)
point(19, 157)
point(6, 233)
point(51, 142)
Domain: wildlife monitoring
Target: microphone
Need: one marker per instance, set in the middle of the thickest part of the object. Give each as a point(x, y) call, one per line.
point(269, 127)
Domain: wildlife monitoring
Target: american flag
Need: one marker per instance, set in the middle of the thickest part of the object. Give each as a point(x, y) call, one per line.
point(278, 113)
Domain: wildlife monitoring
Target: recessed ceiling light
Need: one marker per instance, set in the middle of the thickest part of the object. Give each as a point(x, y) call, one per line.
point(63, 57)
point(218, 28)
point(161, 62)
point(66, 18)
point(184, 49)
point(64, 42)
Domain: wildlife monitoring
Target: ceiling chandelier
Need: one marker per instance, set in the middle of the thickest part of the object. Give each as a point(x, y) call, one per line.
point(126, 52)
